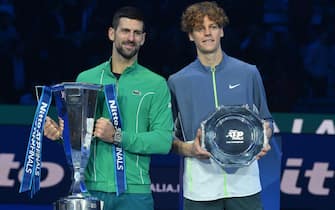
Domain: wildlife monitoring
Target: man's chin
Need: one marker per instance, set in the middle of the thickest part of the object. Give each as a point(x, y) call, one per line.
point(207, 51)
point(128, 54)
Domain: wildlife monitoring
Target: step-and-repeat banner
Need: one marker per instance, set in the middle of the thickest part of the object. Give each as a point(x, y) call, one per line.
point(298, 173)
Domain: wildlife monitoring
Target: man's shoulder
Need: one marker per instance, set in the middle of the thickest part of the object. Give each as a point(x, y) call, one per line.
point(96, 68)
point(92, 72)
point(240, 65)
point(185, 71)
point(147, 73)
point(238, 62)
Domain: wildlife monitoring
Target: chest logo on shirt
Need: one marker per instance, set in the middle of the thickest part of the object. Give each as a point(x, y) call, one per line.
point(136, 92)
point(233, 86)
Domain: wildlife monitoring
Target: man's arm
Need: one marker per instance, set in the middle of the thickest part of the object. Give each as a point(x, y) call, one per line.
point(261, 104)
point(191, 149)
point(268, 131)
point(180, 145)
point(158, 138)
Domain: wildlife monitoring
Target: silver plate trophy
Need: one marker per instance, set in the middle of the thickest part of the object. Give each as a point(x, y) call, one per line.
point(77, 103)
point(233, 135)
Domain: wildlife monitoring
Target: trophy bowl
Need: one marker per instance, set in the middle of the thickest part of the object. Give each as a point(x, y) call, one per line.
point(233, 135)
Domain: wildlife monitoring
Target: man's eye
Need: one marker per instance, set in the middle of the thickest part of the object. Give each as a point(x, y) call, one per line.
point(138, 33)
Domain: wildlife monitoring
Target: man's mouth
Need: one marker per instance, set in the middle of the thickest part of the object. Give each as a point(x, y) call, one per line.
point(129, 45)
point(208, 41)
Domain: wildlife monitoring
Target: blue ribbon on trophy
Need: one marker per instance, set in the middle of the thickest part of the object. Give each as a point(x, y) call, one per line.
point(118, 152)
point(33, 160)
point(62, 113)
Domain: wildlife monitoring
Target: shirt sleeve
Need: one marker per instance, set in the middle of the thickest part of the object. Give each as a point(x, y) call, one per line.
point(158, 138)
point(260, 98)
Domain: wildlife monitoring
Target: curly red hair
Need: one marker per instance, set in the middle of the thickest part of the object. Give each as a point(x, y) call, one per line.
point(194, 15)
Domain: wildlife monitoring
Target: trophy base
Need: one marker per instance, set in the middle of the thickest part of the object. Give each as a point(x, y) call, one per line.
point(78, 203)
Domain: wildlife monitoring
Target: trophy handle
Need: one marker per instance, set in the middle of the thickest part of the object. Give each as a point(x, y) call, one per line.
point(38, 91)
point(202, 141)
point(266, 139)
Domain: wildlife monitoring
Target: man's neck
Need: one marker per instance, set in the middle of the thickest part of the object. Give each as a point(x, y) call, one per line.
point(119, 63)
point(210, 59)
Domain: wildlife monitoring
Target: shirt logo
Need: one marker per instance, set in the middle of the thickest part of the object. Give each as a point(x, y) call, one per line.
point(233, 86)
point(136, 92)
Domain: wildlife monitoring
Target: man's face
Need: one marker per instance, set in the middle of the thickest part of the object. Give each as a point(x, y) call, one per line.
point(207, 36)
point(128, 37)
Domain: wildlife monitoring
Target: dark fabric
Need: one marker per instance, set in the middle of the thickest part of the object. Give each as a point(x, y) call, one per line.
point(126, 201)
point(252, 202)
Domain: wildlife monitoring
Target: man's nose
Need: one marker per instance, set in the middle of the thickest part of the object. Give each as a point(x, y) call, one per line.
point(131, 36)
point(207, 31)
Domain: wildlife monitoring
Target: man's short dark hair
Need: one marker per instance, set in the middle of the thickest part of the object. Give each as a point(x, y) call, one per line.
point(127, 12)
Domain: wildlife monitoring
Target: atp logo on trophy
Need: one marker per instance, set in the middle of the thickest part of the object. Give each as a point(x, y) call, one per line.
point(236, 136)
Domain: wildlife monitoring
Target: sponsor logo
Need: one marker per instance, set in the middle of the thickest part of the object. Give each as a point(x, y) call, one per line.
point(113, 108)
point(233, 86)
point(325, 127)
point(119, 158)
point(164, 188)
point(34, 150)
point(55, 172)
point(316, 176)
point(136, 92)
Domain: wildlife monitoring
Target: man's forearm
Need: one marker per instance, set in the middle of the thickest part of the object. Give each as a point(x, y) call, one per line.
point(181, 147)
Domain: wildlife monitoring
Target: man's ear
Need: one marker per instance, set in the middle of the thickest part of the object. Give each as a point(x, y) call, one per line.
point(111, 33)
point(190, 36)
point(143, 38)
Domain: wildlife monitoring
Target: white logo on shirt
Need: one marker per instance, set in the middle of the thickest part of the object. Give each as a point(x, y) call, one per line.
point(233, 86)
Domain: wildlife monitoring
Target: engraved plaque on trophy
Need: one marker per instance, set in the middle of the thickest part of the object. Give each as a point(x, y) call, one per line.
point(77, 103)
point(233, 135)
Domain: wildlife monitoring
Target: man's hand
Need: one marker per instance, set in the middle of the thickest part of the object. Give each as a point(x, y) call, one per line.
point(196, 149)
point(267, 135)
point(104, 130)
point(266, 148)
point(193, 149)
point(267, 130)
point(52, 130)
